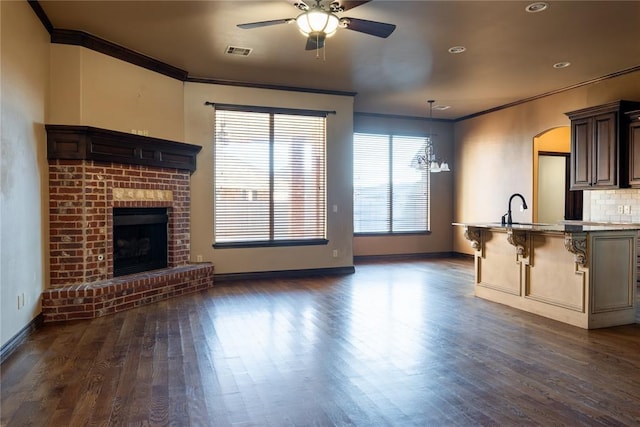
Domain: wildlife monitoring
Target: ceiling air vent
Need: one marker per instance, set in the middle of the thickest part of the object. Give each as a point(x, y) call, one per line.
point(240, 51)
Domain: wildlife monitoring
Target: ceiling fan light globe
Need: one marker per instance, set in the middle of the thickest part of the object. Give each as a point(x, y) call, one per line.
point(317, 21)
point(332, 25)
point(327, 35)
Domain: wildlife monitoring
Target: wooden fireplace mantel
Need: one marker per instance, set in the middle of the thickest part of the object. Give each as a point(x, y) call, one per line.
point(65, 142)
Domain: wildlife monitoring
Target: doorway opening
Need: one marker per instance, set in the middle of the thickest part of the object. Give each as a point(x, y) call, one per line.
point(555, 201)
point(552, 199)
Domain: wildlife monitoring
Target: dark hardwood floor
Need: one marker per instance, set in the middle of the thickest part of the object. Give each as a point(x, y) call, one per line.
point(397, 343)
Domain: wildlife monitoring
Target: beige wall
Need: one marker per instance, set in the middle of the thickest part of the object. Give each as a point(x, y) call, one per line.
point(23, 169)
point(493, 152)
point(92, 89)
point(199, 130)
point(439, 240)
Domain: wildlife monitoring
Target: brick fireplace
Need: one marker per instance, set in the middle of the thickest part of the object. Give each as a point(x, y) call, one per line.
point(92, 172)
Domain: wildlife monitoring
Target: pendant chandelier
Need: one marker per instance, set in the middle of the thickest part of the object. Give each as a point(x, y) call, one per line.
point(428, 160)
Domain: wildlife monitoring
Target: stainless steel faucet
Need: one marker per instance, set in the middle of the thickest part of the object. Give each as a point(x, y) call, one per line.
point(508, 220)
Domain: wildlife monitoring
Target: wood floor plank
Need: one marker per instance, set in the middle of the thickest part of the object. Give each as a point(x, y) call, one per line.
point(115, 356)
point(131, 339)
point(398, 343)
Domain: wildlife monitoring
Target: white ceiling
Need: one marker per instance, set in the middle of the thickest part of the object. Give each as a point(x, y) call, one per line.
point(510, 53)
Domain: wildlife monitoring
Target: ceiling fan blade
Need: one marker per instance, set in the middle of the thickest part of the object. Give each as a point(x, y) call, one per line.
point(378, 29)
point(315, 42)
point(346, 5)
point(265, 23)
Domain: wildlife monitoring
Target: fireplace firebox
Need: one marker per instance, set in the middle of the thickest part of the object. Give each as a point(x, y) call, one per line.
point(139, 240)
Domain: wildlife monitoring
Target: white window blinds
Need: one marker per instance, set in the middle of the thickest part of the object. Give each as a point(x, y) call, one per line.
point(269, 176)
point(391, 193)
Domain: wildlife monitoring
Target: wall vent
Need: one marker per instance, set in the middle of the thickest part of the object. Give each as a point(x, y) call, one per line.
point(240, 51)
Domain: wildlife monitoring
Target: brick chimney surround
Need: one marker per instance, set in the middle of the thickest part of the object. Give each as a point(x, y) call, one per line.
point(91, 172)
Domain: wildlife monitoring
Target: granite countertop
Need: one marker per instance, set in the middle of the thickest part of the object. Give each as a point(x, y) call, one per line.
point(565, 227)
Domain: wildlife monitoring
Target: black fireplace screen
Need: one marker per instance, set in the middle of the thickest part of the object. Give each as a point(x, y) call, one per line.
point(139, 240)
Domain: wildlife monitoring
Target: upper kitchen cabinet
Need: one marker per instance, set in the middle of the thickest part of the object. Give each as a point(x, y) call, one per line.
point(634, 148)
point(599, 149)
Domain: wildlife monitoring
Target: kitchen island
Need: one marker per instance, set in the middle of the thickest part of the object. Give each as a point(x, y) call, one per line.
point(583, 275)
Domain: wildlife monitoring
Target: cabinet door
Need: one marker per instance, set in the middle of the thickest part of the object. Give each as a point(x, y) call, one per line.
point(605, 171)
point(634, 157)
point(581, 151)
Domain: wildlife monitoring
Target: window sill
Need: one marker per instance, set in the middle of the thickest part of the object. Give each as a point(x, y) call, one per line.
point(270, 244)
point(411, 233)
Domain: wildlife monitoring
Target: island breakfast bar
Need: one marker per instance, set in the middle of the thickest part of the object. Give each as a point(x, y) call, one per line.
point(583, 275)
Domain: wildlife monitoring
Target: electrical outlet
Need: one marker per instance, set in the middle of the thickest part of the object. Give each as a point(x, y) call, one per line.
point(335, 208)
point(198, 258)
point(20, 301)
point(627, 209)
point(335, 253)
point(620, 209)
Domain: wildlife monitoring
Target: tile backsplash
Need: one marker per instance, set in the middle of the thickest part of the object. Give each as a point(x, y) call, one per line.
point(604, 206)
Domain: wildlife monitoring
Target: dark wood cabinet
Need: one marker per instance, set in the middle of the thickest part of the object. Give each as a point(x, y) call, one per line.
point(599, 148)
point(634, 150)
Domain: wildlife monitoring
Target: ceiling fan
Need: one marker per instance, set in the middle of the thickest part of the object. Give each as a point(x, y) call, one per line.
point(318, 21)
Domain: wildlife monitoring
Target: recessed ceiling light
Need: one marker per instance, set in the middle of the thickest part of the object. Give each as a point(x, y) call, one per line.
point(563, 64)
point(457, 49)
point(537, 7)
point(441, 107)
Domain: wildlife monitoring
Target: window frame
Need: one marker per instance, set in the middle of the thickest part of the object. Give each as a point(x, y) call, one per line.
point(271, 242)
point(389, 148)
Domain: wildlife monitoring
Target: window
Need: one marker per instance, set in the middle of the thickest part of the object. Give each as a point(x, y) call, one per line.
point(269, 176)
point(391, 193)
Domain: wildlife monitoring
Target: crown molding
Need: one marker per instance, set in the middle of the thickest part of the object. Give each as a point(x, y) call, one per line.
point(89, 41)
point(553, 92)
point(269, 86)
point(42, 16)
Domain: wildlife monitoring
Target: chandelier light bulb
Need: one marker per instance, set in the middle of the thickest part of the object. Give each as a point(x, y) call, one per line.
point(429, 161)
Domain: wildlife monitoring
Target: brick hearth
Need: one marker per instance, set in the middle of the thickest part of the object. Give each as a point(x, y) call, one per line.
point(97, 299)
point(91, 172)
